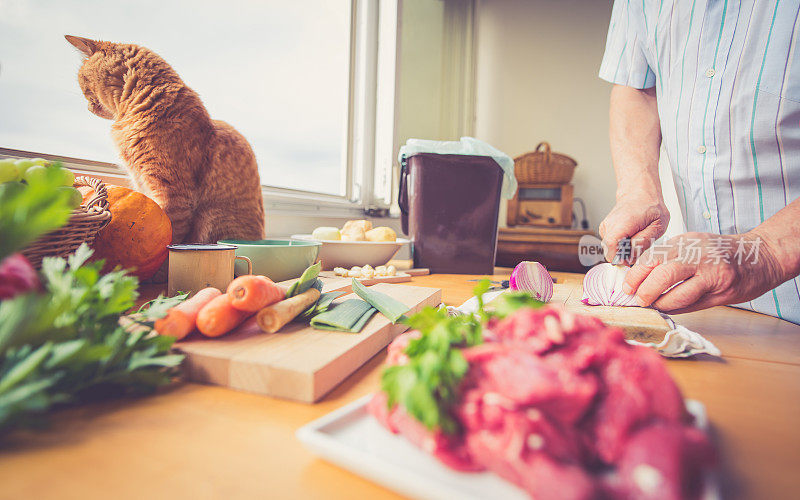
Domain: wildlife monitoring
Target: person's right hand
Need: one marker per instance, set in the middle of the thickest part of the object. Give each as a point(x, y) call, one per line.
point(640, 218)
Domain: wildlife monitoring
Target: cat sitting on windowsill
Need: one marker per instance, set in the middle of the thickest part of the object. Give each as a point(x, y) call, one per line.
point(201, 171)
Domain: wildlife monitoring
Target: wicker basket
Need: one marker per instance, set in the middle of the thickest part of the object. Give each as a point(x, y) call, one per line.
point(83, 226)
point(541, 166)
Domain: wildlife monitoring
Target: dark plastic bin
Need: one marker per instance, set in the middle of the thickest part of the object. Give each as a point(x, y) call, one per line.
point(449, 206)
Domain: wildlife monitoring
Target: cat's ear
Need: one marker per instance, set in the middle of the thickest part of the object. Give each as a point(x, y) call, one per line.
point(85, 45)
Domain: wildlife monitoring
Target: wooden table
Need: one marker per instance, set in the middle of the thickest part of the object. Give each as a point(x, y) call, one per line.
point(194, 441)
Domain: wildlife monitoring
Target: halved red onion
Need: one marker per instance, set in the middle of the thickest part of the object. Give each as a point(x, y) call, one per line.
point(532, 277)
point(602, 286)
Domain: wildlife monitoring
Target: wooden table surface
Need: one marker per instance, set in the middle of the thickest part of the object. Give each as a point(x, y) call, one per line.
point(194, 441)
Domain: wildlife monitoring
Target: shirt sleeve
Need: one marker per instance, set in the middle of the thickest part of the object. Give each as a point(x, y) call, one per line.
point(625, 58)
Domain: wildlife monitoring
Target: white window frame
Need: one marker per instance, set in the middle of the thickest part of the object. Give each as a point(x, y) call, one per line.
point(370, 141)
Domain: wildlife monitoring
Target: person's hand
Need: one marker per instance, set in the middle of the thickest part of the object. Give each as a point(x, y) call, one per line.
point(698, 270)
point(638, 217)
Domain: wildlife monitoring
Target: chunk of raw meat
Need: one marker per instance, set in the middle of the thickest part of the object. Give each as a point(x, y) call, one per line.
point(562, 406)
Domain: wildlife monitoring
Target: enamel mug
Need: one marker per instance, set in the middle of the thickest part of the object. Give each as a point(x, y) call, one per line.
point(193, 267)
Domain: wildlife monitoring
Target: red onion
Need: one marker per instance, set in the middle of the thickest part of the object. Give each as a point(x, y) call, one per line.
point(16, 276)
point(602, 286)
point(532, 277)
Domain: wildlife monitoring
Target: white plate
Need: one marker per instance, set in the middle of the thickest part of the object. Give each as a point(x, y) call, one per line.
point(336, 253)
point(353, 439)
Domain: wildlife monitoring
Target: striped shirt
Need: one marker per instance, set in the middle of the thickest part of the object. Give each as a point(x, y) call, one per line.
point(727, 80)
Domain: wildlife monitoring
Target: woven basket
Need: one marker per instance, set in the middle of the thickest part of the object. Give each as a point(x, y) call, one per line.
point(84, 224)
point(541, 166)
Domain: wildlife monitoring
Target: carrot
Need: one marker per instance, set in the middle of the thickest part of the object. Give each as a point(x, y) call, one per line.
point(251, 292)
point(181, 319)
point(273, 318)
point(218, 317)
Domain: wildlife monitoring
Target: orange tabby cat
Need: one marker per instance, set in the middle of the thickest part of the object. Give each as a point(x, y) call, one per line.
point(201, 171)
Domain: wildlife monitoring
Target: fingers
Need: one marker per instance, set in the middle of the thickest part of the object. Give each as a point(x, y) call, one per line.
point(610, 245)
point(638, 272)
point(660, 279)
point(683, 296)
point(704, 301)
point(642, 240)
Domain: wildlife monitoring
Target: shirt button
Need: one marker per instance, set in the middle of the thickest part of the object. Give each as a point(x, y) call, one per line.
point(710, 72)
point(701, 149)
point(706, 215)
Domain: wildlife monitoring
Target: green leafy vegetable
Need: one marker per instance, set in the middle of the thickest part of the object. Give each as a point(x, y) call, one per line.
point(67, 345)
point(389, 307)
point(27, 211)
point(509, 302)
point(349, 316)
point(323, 304)
point(306, 281)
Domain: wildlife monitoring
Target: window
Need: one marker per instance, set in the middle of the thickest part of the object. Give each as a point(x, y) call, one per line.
point(315, 86)
point(278, 71)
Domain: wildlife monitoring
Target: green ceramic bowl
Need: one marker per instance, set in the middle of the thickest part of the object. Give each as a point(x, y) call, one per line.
point(278, 260)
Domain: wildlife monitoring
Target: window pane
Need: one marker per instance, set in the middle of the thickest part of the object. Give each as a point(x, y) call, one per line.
point(278, 71)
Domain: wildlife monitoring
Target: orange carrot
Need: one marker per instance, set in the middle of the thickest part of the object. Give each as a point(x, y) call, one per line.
point(218, 317)
point(181, 319)
point(251, 292)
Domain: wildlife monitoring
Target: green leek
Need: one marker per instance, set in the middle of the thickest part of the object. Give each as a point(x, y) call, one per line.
point(323, 303)
point(389, 307)
point(349, 316)
point(306, 281)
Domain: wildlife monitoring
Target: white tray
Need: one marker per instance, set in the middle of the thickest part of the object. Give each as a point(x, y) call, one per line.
point(351, 438)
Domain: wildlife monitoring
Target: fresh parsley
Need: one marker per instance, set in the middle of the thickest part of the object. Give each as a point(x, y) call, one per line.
point(67, 345)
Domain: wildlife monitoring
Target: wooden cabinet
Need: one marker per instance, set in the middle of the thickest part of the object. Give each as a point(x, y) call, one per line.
point(556, 249)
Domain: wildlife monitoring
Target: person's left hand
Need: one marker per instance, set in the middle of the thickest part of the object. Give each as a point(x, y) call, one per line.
point(698, 270)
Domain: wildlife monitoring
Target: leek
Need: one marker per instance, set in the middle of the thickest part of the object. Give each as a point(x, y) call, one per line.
point(349, 316)
point(389, 307)
point(323, 303)
point(306, 281)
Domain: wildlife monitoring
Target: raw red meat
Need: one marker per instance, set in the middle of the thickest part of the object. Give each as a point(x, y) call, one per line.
point(562, 406)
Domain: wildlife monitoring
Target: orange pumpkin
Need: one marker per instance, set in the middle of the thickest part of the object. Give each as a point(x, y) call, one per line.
point(137, 236)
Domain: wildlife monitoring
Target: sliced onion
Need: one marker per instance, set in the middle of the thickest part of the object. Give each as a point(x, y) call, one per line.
point(602, 286)
point(532, 277)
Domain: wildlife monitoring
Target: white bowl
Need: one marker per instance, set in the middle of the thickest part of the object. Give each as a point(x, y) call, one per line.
point(337, 253)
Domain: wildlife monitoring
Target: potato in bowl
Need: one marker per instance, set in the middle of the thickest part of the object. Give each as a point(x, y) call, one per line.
point(357, 245)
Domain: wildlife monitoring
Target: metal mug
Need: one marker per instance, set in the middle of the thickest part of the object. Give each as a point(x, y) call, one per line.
point(193, 267)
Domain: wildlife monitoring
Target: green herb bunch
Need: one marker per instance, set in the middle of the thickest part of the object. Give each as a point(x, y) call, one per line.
point(66, 345)
point(427, 386)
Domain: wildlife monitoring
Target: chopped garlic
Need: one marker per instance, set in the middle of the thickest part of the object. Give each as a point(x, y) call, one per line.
point(365, 271)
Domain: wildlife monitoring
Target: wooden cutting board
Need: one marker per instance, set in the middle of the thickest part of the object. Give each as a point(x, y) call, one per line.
point(639, 323)
point(403, 276)
point(400, 277)
point(298, 362)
